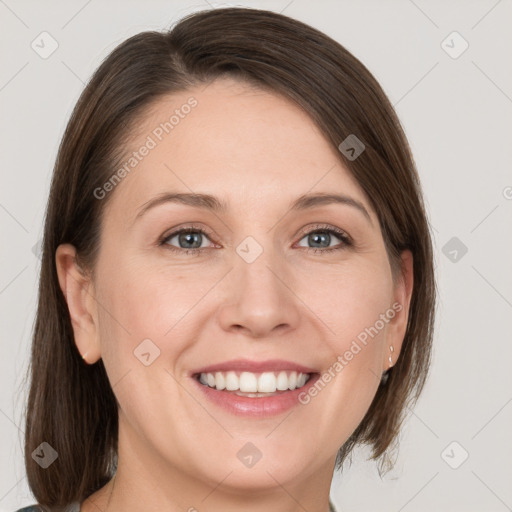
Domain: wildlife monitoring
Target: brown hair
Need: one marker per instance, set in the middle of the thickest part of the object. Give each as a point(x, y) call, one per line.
point(71, 405)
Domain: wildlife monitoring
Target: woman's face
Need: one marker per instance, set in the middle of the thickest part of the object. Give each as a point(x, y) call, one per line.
point(262, 282)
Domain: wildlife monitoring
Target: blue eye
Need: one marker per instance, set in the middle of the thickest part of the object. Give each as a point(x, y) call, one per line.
point(320, 235)
point(192, 238)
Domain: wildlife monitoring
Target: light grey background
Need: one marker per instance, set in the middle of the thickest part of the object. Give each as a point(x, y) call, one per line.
point(457, 115)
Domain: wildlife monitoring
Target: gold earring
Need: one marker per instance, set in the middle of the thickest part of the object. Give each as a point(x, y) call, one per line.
point(390, 358)
point(84, 356)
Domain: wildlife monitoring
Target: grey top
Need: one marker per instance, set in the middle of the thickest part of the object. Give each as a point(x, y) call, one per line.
point(75, 507)
point(72, 507)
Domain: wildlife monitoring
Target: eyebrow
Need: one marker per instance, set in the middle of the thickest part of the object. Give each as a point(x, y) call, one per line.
point(209, 202)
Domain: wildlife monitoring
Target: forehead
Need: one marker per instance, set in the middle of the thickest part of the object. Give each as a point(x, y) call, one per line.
point(245, 145)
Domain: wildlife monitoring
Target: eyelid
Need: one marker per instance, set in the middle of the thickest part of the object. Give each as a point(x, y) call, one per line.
point(311, 228)
point(187, 227)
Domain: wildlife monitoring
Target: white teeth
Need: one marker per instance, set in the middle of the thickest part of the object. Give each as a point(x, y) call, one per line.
point(248, 382)
point(282, 381)
point(292, 380)
point(266, 383)
point(220, 381)
point(232, 383)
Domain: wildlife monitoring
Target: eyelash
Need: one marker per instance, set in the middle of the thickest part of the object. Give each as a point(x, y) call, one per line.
point(346, 240)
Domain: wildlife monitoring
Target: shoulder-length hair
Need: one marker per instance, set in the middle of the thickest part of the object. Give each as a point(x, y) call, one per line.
point(71, 405)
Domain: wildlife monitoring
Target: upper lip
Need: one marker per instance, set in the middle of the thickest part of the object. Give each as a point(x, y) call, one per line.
point(247, 365)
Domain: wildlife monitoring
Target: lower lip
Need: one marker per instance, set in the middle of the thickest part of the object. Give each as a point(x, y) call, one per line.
point(261, 407)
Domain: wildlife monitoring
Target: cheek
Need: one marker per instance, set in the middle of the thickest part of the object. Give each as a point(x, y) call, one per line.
point(359, 308)
point(350, 298)
point(141, 301)
point(356, 305)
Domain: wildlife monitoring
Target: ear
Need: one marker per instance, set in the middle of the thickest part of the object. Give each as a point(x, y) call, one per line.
point(397, 326)
point(77, 288)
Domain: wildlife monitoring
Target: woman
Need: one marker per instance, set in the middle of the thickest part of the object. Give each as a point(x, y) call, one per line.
point(237, 281)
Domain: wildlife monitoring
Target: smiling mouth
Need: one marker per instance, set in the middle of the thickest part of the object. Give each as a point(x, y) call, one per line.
point(254, 385)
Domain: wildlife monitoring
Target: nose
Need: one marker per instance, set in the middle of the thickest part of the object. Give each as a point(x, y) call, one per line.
point(259, 299)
